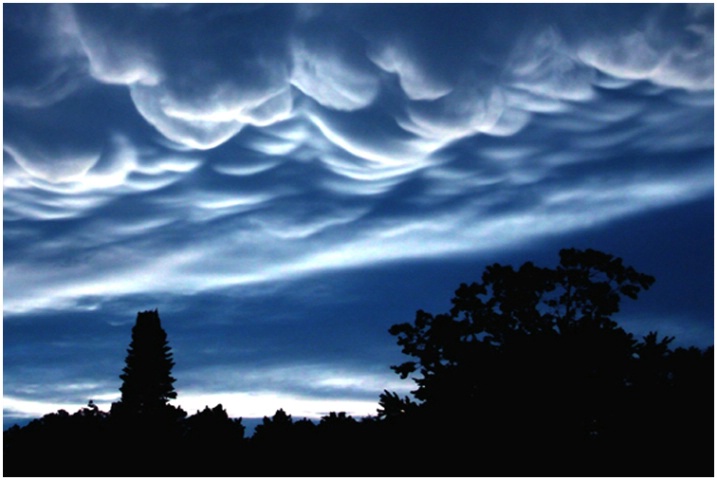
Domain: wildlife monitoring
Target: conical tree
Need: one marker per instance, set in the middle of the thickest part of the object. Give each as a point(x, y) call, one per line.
point(147, 381)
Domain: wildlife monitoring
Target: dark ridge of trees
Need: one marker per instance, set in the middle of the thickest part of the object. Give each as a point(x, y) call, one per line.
point(527, 375)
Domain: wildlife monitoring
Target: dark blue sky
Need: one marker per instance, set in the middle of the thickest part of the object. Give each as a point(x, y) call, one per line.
point(285, 182)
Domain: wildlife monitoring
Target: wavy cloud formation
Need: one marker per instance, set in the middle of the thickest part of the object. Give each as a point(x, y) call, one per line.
point(192, 149)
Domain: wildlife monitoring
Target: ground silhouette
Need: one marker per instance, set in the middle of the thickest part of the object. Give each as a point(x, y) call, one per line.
point(527, 375)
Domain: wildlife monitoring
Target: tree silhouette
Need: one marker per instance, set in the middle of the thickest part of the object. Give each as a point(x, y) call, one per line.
point(277, 430)
point(526, 358)
point(394, 406)
point(147, 381)
point(527, 375)
point(143, 419)
point(514, 310)
point(210, 443)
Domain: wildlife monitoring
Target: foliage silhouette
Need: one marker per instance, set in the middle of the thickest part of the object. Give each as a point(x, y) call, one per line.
point(529, 362)
point(143, 420)
point(527, 375)
point(210, 438)
point(147, 381)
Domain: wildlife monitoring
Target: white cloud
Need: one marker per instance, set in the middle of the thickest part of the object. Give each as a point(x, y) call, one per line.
point(544, 66)
point(331, 81)
point(110, 61)
point(265, 246)
point(197, 134)
point(388, 173)
point(640, 56)
point(51, 187)
point(464, 113)
point(53, 167)
point(415, 81)
point(382, 152)
point(213, 117)
point(21, 408)
point(310, 391)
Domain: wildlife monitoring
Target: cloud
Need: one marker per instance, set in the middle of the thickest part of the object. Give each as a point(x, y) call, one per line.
point(670, 55)
point(178, 151)
point(471, 197)
point(332, 82)
point(306, 380)
point(252, 371)
point(163, 72)
point(237, 404)
point(273, 243)
point(201, 100)
point(415, 81)
point(45, 64)
point(301, 390)
point(51, 167)
point(33, 190)
point(379, 152)
point(546, 68)
point(465, 113)
point(261, 404)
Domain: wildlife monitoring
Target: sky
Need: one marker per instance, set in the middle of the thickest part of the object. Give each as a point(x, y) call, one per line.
point(285, 182)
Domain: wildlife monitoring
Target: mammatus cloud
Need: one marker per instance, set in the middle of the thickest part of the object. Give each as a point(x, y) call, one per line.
point(547, 69)
point(269, 244)
point(202, 102)
point(187, 149)
point(326, 78)
point(415, 81)
point(679, 57)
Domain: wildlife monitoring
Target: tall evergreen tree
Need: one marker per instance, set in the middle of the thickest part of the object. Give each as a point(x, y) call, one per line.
point(147, 381)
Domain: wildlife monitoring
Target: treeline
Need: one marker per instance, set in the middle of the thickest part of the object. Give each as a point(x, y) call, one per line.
point(527, 375)
point(664, 427)
point(94, 443)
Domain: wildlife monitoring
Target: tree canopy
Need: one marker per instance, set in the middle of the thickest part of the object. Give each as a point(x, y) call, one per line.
point(511, 311)
point(529, 362)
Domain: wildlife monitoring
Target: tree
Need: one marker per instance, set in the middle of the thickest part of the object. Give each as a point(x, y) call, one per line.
point(393, 406)
point(527, 357)
point(212, 428)
point(147, 381)
point(143, 418)
point(211, 442)
point(277, 429)
point(512, 309)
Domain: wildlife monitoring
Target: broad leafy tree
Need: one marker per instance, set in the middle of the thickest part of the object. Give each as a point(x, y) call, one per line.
point(526, 357)
point(512, 311)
